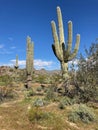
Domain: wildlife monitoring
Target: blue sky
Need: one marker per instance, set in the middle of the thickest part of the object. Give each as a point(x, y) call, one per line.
point(20, 18)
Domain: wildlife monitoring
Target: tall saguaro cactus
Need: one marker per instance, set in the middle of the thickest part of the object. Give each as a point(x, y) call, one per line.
point(29, 61)
point(63, 51)
point(16, 65)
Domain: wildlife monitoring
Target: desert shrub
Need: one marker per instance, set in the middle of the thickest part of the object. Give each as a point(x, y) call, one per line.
point(39, 89)
point(6, 93)
point(30, 92)
point(45, 90)
point(87, 74)
point(84, 74)
point(61, 105)
point(56, 78)
point(27, 100)
point(21, 75)
point(36, 114)
point(67, 101)
point(47, 119)
point(82, 113)
point(38, 102)
point(42, 78)
point(6, 80)
point(50, 94)
point(93, 105)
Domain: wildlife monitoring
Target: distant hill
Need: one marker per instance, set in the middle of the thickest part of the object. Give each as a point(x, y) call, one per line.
point(47, 72)
point(9, 70)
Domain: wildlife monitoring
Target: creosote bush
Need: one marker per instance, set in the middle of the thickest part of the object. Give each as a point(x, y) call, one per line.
point(45, 119)
point(6, 93)
point(36, 114)
point(5, 80)
point(38, 102)
point(61, 105)
point(50, 94)
point(67, 101)
point(30, 93)
point(39, 89)
point(82, 113)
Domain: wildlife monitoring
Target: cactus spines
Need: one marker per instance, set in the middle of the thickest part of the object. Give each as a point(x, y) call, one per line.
point(29, 61)
point(63, 51)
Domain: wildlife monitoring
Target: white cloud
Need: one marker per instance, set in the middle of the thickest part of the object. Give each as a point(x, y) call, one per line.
point(75, 62)
point(38, 64)
point(20, 62)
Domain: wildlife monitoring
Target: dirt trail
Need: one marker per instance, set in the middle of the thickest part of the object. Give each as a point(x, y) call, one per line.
point(10, 103)
point(13, 116)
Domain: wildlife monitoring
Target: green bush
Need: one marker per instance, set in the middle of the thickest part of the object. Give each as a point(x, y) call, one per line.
point(42, 78)
point(46, 119)
point(82, 113)
point(6, 93)
point(87, 74)
point(50, 94)
point(38, 102)
point(6, 80)
point(61, 105)
point(2, 84)
point(66, 101)
point(39, 89)
point(27, 100)
point(36, 114)
point(30, 93)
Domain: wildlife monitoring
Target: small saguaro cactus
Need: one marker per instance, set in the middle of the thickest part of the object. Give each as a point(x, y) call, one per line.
point(62, 50)
point(29, 61)
point(16, 64)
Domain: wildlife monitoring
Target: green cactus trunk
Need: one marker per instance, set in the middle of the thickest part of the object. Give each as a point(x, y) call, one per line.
point(29, 62)
point(62, 50)
point(64, 68)
point(16, 65)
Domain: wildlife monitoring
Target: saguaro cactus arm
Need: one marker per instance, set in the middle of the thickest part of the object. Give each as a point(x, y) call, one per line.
point(74, 53)
point(69, 45)
point(56, 45)
point(60, 26)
